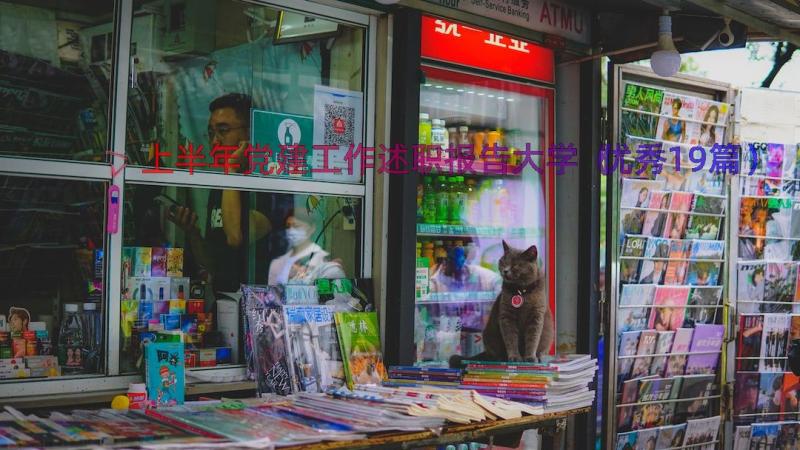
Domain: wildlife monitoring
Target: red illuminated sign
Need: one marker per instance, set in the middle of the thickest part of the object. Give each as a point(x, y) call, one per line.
point(466, 45)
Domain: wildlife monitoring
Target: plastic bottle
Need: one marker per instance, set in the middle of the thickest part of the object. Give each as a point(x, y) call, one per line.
point(442, 200)
point(461, 200)
point(137, 395)
point(428, 201)
point(424, 129)
point(452, 138)
point(428, 252)
point(454, 214)
point(438, 139)
point(440, 253)
point(70, 340)
point(93, 336)
point(499, 203)
point(464, 142)
point(471, 207)
point(419, 249)
point(420, 195)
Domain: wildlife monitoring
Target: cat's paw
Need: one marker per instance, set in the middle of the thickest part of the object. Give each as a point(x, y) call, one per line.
point(514, 358)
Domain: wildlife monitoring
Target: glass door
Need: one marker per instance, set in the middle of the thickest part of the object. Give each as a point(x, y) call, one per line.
point(482, 181)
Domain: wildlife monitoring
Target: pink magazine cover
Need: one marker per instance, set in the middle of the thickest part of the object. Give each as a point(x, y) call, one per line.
point(678, 265)
point(676, 220)
point(669, 308)
point(654, 220)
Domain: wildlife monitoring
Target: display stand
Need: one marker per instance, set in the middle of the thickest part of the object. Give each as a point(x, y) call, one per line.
point(667, 245)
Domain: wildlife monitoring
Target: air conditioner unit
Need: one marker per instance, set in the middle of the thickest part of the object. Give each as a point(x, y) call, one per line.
point(189, 28)
point(98, 43)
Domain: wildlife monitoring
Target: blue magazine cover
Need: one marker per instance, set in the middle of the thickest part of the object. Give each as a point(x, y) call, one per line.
point(164, 365)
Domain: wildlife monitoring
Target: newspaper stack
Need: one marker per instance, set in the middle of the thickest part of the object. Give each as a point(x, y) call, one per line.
point(559, 384)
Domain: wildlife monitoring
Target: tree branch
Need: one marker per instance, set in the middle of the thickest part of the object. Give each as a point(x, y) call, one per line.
point(783, 53)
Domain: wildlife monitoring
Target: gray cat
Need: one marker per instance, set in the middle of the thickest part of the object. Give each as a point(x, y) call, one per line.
point(520, 326)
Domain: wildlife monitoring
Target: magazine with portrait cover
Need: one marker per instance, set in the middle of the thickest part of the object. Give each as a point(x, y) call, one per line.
point(636, 318)
point(656, 218)
point(646, 439)
point(699, 431)
point(764, 435)
point(678, 265)
point(695, 387)
point(706, 182)
point(663, 346)
point(676, 364)
point(707, 249)
point(672, 123)
point(715, 113)
point(708, 204)
point(703, 273)
point(746, 391)
point(628, 344)
point(651, 415)
point(753, 213)
point(789, 435)
point(668, 309)
point(266, 328)
point(748, 347)
point(674, 179)
point(702, 296)
point(629, 271)
point(256, 298)
point(678, 218)
point(642, 98)
point(655, 389)
point(626, 441)
point(656, 258)
point(647, 346)
point(313, 348)
point(762, 187)
point(770, 391)
point(636, 192)
point(741, 438)
point(706, 346)
point(774, 343)
point(791, 402)
point(631, 220)
point(750, 286)
point(634, 246)
point(671, 436)
point(703, 227)
point(630, 392)
point(779, 287)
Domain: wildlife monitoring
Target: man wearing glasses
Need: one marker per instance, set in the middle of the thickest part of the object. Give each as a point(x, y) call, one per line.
point(221, 252)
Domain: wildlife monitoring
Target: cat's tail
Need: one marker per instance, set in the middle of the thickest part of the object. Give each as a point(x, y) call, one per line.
point(457, 361)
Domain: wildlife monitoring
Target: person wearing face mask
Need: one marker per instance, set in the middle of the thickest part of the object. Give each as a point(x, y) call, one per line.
point(305, 261)
point(458, 275)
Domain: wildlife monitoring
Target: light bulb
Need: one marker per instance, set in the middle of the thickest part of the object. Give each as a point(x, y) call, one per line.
point(666, 60)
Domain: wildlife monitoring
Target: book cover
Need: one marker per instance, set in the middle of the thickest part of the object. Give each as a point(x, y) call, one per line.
point(750, 287)
point(663, 346)
point(748, 349)
point(635, 318)
point(699, 431)
point(647, 345)
point(779, 288)
point(164, 365)
point(668, 309)
point(655, 389)
point(774, 342)
point(678, 265)
point(626, 441)
point(708, 204)
point(703, 273)
point(313, 348)
point(677, 219)
point(790, 402)
point(707, 343)
point(703, 227)
point(656, 257)
point(636, 193)
point(634, 246)
point(701, 249)
point(628, 344)
point(629, 271)
point(158, 265)
point(702, 296)
point(764, 435)
point(746, 393)
point(360, 347)
point(694, 387)
point(671, 436)
point(680, 345)
point(656, 217)
point(672, 124)
point(770, 392)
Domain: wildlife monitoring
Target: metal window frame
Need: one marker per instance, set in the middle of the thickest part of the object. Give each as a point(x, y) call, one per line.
point(682, 84)
point(122, 23)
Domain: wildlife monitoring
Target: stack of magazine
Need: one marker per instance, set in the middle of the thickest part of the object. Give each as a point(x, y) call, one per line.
point(671, 270)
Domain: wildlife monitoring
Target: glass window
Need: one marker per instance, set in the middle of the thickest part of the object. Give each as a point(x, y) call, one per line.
point(52, 265)
point(187, 251)
point(55, 66)
point(234, 87)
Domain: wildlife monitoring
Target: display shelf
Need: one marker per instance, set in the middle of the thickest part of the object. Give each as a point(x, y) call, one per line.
point(458, 297)
point(430, 229)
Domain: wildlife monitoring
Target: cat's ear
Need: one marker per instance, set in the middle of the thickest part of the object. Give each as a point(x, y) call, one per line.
point(531, 253)
point(506, 248)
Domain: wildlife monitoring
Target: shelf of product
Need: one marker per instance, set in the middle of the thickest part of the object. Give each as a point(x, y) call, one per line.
point(672, 251)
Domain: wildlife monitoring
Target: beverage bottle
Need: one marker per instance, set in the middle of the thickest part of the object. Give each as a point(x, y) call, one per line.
point(70, 340)
point(471, 207)
point(419, 249)
point(452, 137)
point(442, 200)
point(464, 141)
point(420, 195)
point(440, 253)
point(477, 144)
point(461, 199)
point(428, 252)
point(452, 192)
point(500, 202)
point(428, 201)
point(485, 198)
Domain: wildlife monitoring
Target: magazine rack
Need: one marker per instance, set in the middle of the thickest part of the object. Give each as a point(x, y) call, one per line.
point(765, 230)
point(666, 252)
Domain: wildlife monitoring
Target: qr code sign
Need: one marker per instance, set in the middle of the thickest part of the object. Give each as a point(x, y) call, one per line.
point(339, 124)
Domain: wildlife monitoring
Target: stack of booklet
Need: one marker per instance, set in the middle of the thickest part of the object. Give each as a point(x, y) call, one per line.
point(559, 384)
